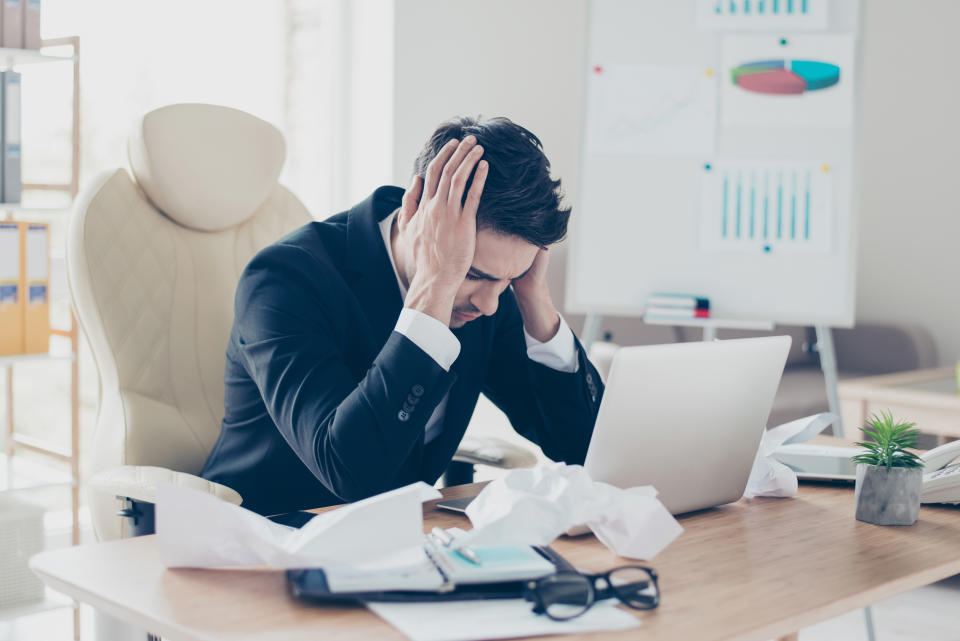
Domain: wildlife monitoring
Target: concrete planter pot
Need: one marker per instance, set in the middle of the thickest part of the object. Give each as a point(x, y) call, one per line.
point(888, 496)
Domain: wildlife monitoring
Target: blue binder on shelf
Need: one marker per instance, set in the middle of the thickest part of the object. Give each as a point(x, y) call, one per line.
point(12, 186)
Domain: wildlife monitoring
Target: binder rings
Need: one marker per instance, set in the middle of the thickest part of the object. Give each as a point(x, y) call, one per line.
point(12, 24)
point(10, 136)
point(31, 24)
point(35, 245)
point(11, 297)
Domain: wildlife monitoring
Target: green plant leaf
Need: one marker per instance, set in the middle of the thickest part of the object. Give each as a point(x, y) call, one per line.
point(888, 442)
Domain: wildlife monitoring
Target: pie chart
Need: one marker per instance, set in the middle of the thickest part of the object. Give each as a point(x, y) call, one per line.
point(785, 77)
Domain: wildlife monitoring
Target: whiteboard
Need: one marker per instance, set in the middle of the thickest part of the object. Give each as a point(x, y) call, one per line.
point(701, 176)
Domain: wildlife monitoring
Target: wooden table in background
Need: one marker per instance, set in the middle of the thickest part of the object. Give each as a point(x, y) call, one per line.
point(927, 397)
point(752, 570)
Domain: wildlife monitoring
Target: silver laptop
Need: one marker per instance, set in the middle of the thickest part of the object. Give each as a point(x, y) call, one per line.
point(686, 418)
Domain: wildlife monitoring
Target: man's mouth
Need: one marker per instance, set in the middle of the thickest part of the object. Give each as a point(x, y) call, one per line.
point(465, 317)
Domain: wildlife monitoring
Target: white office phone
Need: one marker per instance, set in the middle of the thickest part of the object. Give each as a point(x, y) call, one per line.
point(941, 475)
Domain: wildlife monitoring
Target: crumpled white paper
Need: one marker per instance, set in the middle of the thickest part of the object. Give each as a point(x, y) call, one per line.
point(198, 530)
point(533, 506)
point(770, 477)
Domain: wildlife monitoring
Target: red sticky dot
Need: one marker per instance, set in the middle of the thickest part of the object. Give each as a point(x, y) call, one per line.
point(597, 69)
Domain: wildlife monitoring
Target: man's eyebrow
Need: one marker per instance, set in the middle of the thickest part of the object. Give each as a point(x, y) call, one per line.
point(482, 274)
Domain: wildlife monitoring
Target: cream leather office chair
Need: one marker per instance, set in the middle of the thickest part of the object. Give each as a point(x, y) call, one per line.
point(153, 262)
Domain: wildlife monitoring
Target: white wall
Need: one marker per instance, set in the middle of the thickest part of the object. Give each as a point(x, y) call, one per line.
point(909, 266)
point(523, 59)
point(520, 59)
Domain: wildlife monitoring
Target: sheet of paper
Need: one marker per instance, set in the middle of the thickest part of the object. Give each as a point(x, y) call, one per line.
point(196, 529)
point(651, 110)
point(820, 450)
point(410, 569)
point(799, 80)
point(770, 477)
point(763, 15)
point(766, 207)
point(493, 619)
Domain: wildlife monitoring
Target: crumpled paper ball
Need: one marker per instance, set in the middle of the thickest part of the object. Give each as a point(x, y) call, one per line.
point(533, 506)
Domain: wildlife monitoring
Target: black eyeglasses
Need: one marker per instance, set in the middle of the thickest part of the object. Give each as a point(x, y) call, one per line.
point(567, 595)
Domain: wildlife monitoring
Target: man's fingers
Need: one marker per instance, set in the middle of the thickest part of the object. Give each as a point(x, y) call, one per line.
point(411, 200)
point(476, 189)
point(459, 181)
point(435, 168)
point(458, 157)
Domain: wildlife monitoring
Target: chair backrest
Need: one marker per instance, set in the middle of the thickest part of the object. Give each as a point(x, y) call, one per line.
point(153, 266)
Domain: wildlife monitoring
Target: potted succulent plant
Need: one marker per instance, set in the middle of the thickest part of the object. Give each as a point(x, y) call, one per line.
point(889, 476)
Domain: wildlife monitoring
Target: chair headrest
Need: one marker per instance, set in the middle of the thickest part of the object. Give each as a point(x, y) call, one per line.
point(205, 166)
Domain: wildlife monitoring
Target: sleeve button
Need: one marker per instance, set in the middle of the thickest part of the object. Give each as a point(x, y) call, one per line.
point(417, 390)
point(403, 417)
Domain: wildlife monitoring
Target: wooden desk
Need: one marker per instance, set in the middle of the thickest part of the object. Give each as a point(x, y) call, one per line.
point(756, 569)
point(929, 397)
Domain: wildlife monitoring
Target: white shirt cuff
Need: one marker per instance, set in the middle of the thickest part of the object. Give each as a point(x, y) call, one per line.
point(559, 353)
point(430, 335)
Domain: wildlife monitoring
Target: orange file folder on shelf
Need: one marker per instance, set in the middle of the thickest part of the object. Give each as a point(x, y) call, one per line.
point(35, 245)
point(11, 294)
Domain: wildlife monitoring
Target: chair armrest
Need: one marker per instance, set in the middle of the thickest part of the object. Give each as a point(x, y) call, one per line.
point(139, 482)
point(872, 348)
point(494, 452)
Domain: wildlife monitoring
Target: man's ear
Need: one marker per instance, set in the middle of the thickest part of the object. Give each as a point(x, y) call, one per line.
point(410, 201)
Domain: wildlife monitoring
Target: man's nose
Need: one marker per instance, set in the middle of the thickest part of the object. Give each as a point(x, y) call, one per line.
point(486, 300)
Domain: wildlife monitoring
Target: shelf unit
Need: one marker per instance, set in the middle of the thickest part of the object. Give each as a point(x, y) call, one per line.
point(20, 474)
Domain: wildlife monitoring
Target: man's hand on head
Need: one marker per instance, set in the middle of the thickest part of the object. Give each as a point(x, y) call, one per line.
point(540, 316)
point(442, 226)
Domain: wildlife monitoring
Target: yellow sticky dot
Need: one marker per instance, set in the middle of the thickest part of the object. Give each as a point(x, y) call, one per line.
point(825, 168)
point(709, 72)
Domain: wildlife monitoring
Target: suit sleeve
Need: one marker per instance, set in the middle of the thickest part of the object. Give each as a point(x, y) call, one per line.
point(353, 435)
point(554, 409)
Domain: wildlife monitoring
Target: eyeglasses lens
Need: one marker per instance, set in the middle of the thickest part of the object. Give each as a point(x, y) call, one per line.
point(565, 596)
point(635, 587)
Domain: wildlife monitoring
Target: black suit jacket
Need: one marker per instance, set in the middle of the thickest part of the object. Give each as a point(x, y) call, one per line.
point(316, 378)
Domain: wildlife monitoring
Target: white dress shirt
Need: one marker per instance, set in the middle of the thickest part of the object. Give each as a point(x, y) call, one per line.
point(436, 339)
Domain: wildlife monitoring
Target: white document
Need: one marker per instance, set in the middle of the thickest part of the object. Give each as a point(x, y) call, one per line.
point(408, 569)
point(651, 110)
point(767, 207)
point(493, 619)
point(763, 105)
point(533, 506)
point(763, 15)
point(196, 529)
point(770, 477)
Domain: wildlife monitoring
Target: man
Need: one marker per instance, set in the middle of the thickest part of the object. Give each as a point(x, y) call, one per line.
point(361, 343)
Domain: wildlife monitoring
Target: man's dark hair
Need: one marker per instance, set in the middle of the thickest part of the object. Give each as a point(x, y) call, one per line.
point(519, 197)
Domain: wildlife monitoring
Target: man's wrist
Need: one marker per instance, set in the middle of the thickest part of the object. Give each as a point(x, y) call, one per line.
point(431, 296)
point(541, 320)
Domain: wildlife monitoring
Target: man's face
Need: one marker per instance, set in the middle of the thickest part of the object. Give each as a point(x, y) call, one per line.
point(497, 261)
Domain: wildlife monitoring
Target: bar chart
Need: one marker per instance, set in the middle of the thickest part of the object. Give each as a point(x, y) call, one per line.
point(766, 207)
point(763, 15)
